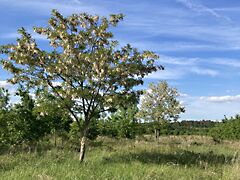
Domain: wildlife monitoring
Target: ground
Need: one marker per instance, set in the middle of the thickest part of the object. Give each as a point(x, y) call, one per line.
point(179, 157)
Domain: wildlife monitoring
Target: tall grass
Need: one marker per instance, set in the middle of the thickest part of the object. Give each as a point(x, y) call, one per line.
point(185, 157)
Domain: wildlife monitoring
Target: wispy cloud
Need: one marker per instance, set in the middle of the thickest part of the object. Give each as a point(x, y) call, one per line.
point(202, 38)
point(180, 61)
point(168, 21)
point(200, 8)
point(167, 74)
point(179, 67)
point(203, 71)
point(66, 7)
point(227, 9)
point(179, 73)
point(192, 33)
point(227, 62)
point(15, 35)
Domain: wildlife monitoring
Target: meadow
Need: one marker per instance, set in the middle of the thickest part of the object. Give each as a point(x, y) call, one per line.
point(172, 157)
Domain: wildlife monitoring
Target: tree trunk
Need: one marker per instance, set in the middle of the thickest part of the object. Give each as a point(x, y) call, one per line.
point(157, 134)
point(62, 144)
point(29, 148)
point(83, 140)
point(35, 147)
point(55, 138)
point(82, 148)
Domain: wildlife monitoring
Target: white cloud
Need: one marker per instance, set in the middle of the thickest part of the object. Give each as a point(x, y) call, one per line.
point(167, 74)
point(209, 107)
point(221, 99)
point(183, 94)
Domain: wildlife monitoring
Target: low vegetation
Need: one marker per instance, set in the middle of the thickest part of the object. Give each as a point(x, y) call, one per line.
point(173, 157)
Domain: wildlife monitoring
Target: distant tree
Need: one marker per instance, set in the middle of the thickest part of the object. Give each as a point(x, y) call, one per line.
point(121, 123)
point(159, 104)
point(127, 123)
point(83, 66)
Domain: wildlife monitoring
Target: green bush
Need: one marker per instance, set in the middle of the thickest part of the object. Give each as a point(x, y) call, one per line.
point(227, 129)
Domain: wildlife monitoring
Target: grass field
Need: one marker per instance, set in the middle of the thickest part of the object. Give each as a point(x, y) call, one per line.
point(183, 157)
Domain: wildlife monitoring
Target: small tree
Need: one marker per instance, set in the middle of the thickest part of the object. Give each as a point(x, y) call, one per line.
point(127, 123)
point(159, 105)
point(48, 109)
point(4, 104)
point(26, 126)
point(122, 123)
point(83, 66)
point(4, 99)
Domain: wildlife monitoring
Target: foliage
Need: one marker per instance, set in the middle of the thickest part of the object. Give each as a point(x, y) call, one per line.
point(4, 115)
point(229, 128)
point(25, 125)
point(48, 107)
point(20, 125)
point(4, 99)
point(75, 132)
point(121, 123)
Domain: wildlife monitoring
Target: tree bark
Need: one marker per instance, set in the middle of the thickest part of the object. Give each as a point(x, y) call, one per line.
point(157, 134)
point(83, 139)
point(55, 138)
point(62, 144)
point(82, 148)
point(29, 148)
point(36, 147)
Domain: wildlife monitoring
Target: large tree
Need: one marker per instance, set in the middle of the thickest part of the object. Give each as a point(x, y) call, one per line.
point(84, 66)
point(159, 104)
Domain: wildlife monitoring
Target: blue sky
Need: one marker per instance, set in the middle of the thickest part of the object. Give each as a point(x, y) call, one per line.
point(198, 42)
